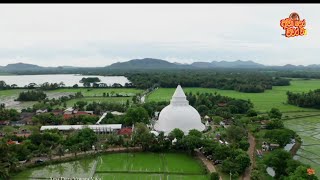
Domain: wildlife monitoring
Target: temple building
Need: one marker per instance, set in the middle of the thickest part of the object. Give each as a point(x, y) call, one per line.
point(179, 114)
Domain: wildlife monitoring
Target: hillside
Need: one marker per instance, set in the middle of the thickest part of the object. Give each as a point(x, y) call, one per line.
point(147, 63)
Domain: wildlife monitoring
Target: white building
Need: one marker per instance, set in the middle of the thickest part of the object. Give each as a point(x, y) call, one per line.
point(179, 114)
point(96, 128)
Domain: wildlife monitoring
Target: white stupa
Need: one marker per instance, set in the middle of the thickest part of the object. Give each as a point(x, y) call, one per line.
point(179, 114)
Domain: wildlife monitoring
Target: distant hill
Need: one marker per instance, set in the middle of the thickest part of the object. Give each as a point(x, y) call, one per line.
point(147, 63)
point(22, 67)
point(227, 64)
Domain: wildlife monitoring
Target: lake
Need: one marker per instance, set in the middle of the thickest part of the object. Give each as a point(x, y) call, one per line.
point(68, 79)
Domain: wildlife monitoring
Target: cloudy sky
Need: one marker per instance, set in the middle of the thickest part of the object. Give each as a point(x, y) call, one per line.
point(101, 34)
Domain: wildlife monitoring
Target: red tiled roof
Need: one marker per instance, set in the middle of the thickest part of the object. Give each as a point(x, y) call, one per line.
point(23, 134)
point(125, 131)
point(68, 116)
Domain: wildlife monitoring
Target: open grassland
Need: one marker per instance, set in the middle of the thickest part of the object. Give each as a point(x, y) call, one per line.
point(121, 100)
point(262, 101)
point(100, 91)
point(308, 128)
point(91, 94)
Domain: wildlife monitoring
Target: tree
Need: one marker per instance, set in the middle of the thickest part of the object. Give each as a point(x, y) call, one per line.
point(237, 162)
point(32, 96)
point(278, 159)
point(8, 161)
point(2, 106)
point(301, 173)
point(60, 151)
point(280, 136)
point(217, 120)
point(214, 176)
point(235, 133)
point(176, 133)
point(80, 105)
point(142, 136)
point(275, 113)
point(135, 115)
point(275, 124)
point(244, 144)
point(203, 110)
point(252, 113)
point(194, 132)
point(88, 81)
point(75, 86)
point(84, 139)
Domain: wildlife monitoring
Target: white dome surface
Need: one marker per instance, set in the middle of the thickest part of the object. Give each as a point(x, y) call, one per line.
point(179, 114)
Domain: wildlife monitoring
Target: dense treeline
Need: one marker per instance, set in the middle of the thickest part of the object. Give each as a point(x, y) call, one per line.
point(254, 82)
point(310, 99)
point(32, 96)
point(215, 104)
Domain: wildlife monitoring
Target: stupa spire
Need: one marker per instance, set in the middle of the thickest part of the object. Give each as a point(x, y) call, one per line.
point(179, 98)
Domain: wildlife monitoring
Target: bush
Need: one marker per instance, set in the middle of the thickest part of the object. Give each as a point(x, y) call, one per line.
point(32, 96)
point(214, 176)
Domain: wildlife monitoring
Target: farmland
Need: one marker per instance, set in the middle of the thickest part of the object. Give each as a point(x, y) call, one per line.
point(125, 166)
point(90, 95)
point(308, 128)
point(262, 101)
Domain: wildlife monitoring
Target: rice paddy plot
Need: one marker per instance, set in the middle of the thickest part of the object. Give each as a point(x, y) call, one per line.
point(126, 176)
point(113, 162)
point(74, 169)
point(182, 163)
point(308, 128)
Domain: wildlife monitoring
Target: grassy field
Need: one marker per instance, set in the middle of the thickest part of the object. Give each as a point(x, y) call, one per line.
point(262, 101)
point(8, 96)
point(11, 92)
point(308, 128)
point(99, 99)
point(99, 91)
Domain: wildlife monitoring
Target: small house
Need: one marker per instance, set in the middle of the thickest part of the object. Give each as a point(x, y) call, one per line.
point(41, 111)
point(27, 117)
point(17, 123)
point(4, 123)
point(274, 146)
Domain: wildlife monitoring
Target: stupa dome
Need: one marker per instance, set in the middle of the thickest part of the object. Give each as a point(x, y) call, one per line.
point(179, 114)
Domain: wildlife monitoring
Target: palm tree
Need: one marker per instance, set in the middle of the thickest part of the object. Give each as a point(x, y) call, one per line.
point(60, 151)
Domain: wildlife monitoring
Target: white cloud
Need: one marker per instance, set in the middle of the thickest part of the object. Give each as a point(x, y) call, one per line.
point(99, 34)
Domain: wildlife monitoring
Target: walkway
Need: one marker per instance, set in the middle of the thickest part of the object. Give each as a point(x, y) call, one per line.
point(251, 153)
point(206, 162)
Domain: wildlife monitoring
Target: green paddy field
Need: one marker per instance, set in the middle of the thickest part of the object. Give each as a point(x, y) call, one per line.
point(123, 166)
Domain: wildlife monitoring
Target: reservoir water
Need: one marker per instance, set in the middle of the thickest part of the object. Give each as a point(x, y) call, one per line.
point(68, 79)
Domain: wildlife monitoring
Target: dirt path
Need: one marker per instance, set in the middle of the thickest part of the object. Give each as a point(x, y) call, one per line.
point(206, 162)
point(251, 153)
